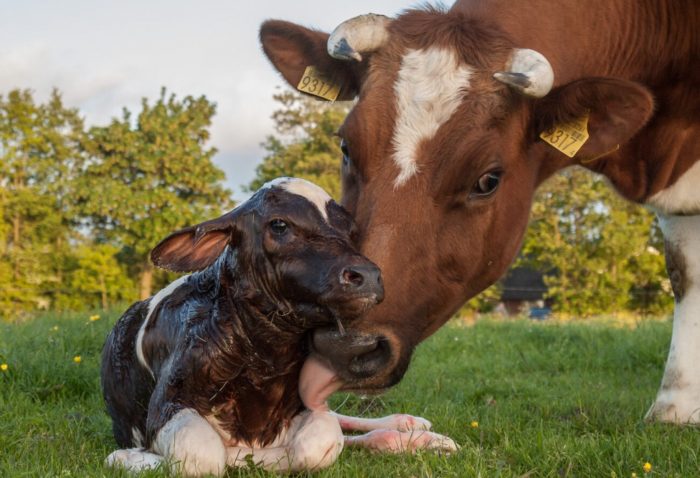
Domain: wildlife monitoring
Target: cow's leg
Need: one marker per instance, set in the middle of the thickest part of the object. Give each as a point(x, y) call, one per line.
point(313, 441)
point(190, 443)
point(397, 421)
point(678, 399)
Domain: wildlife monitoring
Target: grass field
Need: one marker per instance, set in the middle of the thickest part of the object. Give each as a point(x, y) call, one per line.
point(551, 400)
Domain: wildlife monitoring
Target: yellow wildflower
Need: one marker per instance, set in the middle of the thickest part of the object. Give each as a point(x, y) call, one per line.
point(54, 328)
point(647, 467)
point(4, 367)
point(474, 424)
point(94, 318)
point(77, 359)
point(634, 475)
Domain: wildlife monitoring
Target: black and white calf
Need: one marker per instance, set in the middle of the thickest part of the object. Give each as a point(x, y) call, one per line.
point(207, 372)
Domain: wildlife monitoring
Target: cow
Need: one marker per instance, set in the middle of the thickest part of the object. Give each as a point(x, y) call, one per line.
point(206, 373)
point(457, 115)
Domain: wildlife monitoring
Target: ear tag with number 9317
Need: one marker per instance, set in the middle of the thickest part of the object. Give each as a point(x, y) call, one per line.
point(313, 83)
point(567, 138)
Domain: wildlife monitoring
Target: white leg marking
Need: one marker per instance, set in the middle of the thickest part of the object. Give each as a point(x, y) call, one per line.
point(312, 441)
point(398, 421)
point(192, 444)
point(394, 441)
point(134, 459)
point(155, 300)
point(682, 197)
point(137, 437)
point(678, 399)
point(306, 189)
point(430, 87)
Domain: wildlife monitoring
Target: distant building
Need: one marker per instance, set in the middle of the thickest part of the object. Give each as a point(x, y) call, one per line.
point(523, 292)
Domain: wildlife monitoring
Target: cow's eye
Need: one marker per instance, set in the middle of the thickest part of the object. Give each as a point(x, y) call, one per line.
point(278, 226)
point(486, 184)
point(346, 152)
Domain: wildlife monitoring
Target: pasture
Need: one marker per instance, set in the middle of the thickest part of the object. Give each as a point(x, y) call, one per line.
point(522, 399)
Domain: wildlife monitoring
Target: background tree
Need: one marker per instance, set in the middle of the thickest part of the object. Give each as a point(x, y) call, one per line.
point(99, 278)
point(39, 159)
point(602, 252)
point(149, 177)
point(306, 145)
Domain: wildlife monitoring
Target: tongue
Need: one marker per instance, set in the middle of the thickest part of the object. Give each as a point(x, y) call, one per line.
point(317, 382)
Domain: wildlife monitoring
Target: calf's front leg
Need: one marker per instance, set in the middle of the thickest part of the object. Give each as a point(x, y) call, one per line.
point(397, 433)
point(313, 441)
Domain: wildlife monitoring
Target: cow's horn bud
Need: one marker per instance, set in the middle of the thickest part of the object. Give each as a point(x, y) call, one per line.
point(358, 35)
point(528, 72)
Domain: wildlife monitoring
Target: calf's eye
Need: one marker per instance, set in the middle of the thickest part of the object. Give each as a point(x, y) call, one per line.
point(278, 226)
point(486, 184)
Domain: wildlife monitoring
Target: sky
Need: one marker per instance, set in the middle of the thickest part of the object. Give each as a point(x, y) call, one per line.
point(104, 56)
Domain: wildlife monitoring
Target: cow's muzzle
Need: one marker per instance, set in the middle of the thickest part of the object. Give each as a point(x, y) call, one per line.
point(354, 356)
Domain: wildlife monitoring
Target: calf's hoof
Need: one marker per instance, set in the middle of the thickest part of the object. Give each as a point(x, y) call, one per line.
point(134, 459)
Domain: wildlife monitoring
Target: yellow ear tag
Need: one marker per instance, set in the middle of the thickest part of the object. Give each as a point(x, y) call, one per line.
point(567, 138)
point(313, 83)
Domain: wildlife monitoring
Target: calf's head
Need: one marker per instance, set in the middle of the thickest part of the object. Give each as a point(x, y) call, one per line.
point(441, 157)
point(287, 251)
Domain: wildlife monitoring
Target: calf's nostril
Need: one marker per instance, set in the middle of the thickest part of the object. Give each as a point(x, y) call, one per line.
point(352, 277)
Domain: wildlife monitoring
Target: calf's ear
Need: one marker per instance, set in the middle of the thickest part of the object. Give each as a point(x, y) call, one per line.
point(291, 48)
point(616, 109)
point(196, 247)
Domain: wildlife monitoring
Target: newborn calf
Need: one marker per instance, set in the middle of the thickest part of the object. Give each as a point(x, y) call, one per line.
point(206, 373)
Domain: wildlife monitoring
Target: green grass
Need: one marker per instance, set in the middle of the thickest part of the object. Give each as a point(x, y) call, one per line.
point(551, 401)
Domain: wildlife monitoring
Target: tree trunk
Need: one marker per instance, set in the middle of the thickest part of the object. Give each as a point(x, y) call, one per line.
point(16, 222)
point(103, 292)
point(146, 281)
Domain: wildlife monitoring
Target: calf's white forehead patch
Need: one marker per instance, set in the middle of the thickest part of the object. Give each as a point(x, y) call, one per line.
point(314, 194)
point(429, 88)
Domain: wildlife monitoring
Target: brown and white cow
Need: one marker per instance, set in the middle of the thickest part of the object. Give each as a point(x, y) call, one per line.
point(442, 152)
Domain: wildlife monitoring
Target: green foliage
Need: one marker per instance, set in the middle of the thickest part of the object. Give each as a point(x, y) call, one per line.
point(597, 248)
point(148, 178)
point(550, 401)
point(80, 211)
point(39, 159)
point(306, 146)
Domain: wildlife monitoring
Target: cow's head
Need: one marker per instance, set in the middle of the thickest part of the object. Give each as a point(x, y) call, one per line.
point(441, 158)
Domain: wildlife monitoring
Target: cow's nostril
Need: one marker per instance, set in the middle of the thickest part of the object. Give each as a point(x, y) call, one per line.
point(352, 277)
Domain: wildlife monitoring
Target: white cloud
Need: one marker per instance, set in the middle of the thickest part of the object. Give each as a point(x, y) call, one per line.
point(104, 56)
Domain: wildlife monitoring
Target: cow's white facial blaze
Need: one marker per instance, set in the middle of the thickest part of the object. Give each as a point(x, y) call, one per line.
point(430, 86)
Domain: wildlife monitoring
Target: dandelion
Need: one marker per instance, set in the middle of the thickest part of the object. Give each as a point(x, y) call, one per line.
point(474, 424)
point(634, 475)
point(647, 467)
point(4, 367)
point(54, 328)
point(93, 318)
point(77, 359)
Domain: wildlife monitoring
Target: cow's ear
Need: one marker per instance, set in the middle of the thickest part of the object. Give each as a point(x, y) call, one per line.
point(616, 110)
point(196, 247)
point(291, 48)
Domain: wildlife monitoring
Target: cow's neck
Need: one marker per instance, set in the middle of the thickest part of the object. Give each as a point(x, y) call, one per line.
point(631, 40)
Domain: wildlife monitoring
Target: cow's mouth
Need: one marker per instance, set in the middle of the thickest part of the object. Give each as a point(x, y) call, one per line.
point(346, 360)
